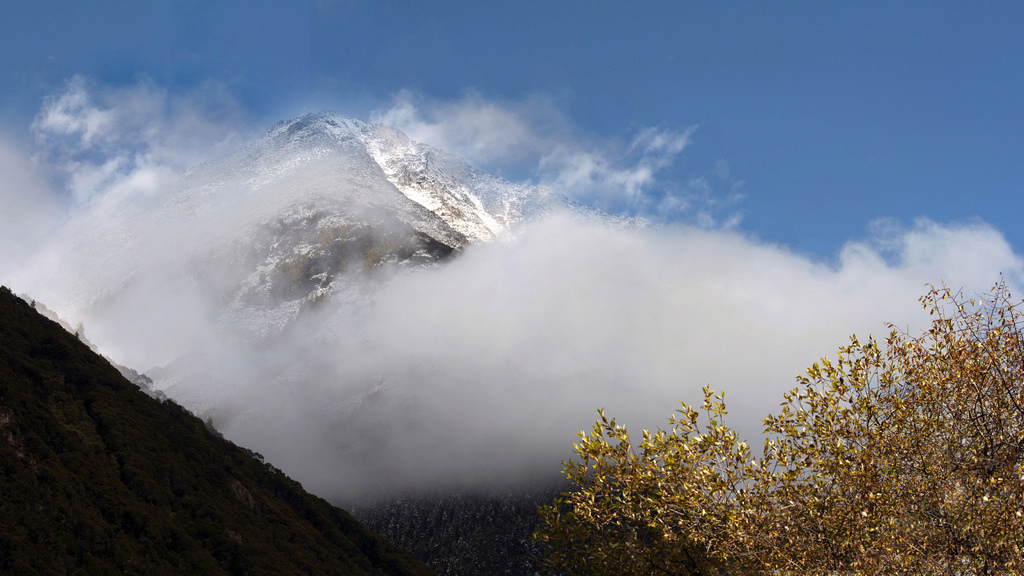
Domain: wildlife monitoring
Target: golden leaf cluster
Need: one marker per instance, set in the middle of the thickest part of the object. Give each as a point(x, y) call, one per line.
point(899, 458)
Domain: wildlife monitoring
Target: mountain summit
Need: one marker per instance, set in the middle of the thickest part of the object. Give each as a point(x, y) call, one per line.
point(322, 199)
point(469, 205)
point(341, 195)
point(478, 205)
point(259, 290)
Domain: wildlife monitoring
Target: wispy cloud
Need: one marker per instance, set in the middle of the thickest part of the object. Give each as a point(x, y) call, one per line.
point(483, 132)
point(534, 138)
point(97, 136)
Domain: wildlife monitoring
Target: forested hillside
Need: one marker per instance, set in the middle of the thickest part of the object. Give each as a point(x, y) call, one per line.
point(98, 478)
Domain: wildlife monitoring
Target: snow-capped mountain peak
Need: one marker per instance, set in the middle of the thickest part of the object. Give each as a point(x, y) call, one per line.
point(285, 219)
point(281, 267)
point(478, 205)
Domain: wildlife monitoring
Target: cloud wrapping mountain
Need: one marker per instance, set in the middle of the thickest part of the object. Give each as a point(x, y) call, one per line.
point(297, 294)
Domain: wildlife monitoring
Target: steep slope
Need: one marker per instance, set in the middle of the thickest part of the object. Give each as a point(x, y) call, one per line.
point(96, 477)
point(479, 205)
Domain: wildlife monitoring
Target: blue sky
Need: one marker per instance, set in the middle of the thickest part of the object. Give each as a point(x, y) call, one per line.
point(824, 117)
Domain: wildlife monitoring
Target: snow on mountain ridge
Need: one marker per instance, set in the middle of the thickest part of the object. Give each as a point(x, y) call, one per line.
point(410, 166)
point(323, 171)
point(481, 206)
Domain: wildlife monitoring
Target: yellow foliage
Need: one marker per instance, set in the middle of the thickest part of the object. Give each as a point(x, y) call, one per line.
point(906, 458)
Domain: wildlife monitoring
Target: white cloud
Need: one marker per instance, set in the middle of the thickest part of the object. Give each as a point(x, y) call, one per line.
point(495, 360)
point(484, 133)
point(534, 138)
point(482, 370)
point(96, 136)
point(29, 211)
point(112, 151)
point(581, 172)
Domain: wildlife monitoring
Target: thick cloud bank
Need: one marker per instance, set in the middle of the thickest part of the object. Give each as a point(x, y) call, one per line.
point(29, 211)
point(506, 352)
point(474, 372)
point(481, 371)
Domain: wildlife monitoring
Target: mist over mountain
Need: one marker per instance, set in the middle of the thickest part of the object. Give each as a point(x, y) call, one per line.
point(377, 317)
point(243, 277)
point(99, 478)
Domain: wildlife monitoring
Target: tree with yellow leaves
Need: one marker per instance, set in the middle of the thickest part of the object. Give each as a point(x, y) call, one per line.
point(895, 459)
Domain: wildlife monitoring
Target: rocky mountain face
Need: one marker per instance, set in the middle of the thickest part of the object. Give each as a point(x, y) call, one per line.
point(255, 272)
point(98, 478)
point(322, 201)
point(288, 220)
point(291, 238)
